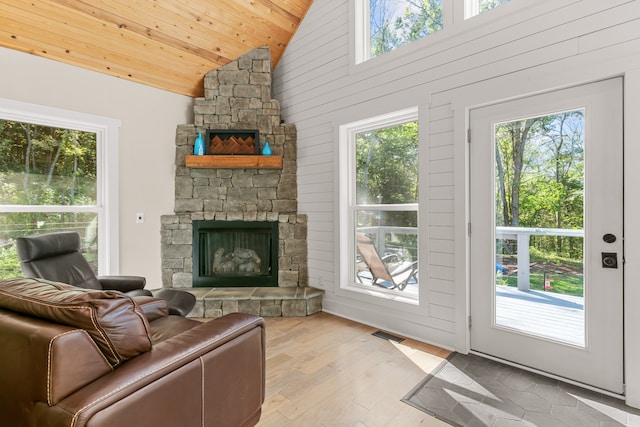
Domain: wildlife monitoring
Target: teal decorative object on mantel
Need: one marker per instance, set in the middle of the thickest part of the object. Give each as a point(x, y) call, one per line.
point(266, 150)
point(198, 147)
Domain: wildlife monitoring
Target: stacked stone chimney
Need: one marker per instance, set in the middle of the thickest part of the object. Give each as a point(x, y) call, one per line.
point(237, 96)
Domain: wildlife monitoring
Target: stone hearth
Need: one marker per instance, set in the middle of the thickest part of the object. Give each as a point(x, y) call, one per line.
point(238, 96)
point(266, 302)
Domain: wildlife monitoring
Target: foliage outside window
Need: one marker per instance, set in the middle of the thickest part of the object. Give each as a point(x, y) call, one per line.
point(539, 175)
point(385, 25)
point(384, 192)
point(540, 185)
point(395, 23)
point(48, 182)
point(476, 7)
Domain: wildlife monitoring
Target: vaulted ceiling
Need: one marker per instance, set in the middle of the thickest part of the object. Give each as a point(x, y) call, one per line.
point(168, 44)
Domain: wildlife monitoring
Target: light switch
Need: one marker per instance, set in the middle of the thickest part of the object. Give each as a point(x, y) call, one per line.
point(139, 218)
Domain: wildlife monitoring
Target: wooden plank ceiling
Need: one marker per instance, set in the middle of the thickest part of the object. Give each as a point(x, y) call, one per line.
point(168, 44)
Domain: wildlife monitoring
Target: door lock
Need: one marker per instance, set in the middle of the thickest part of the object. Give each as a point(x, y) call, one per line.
point(609, 260)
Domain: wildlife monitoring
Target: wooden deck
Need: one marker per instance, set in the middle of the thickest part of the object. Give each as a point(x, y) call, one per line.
point(547, 314)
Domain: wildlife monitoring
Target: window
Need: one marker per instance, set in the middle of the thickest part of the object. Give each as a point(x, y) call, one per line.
point(476, 7)
point(52, 178)
point(395, 23)
point(380, 202)
point(382, 26)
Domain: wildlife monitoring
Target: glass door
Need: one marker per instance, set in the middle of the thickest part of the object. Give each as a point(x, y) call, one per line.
point(546, 290)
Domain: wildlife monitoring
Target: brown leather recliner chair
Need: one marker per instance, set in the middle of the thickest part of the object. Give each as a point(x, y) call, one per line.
point(72, 357)
point(57, 257)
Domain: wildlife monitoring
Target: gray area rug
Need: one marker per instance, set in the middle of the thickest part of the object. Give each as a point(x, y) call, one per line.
point(469, 390)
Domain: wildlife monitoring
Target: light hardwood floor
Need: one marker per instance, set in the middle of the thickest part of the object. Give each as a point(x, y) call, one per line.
point(324, 370)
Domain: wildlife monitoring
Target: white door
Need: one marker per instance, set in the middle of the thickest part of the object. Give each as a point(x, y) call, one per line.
point(546, 232)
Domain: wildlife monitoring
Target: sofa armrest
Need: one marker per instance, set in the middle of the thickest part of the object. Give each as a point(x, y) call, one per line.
point(122, 283)
point(217, 367)
point(152, 307)
point(35, 366)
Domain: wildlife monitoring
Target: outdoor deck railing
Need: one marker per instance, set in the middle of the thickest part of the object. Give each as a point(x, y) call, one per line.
point(378, 233)
point(522, 235)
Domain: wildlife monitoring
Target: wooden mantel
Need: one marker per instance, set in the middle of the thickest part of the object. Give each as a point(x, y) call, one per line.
point(233, 162)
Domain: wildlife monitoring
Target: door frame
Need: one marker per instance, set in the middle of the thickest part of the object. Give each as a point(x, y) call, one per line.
point(544, 78)
point(631, 319)
point(609, 90)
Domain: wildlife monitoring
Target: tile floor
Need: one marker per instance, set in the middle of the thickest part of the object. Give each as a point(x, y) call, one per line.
point(469, 391)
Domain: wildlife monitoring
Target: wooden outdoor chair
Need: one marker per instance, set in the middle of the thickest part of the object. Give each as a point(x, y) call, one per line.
point(383, 273)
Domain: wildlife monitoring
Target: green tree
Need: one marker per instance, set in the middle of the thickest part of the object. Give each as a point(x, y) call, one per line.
point(420, 18)
point(511, 139)
point(387, 172)
point(394, 23)
point(490, 4)
point(382, 37)
point(387, 165)
point(539, 177)
point(41, 165)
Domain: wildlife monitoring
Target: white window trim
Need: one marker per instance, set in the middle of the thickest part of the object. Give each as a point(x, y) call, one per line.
point(361, 25)
point(107, 134)
point(347, 178)
point(471, 8)
point(456, 28)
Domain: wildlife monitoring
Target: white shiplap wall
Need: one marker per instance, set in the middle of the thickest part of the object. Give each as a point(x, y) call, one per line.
point(519, 48)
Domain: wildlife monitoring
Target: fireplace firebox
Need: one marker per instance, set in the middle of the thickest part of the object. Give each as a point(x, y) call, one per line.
point(235, 253)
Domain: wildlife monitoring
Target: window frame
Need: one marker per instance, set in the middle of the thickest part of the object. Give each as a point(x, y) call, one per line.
point(454, 24)
point(362, 30)
point(472, 8)
point(348, 205)
point(106, 208)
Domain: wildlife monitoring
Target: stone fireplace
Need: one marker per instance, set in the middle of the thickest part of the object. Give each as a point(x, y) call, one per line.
point(234, 190)
point(235, 253)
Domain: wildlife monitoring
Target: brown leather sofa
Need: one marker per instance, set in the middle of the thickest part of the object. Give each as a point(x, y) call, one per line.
point(76, 357)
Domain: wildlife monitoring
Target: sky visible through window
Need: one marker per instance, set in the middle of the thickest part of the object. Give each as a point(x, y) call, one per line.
point(394, 23)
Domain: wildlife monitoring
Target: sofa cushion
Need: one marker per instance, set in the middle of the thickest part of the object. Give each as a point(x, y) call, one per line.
point(113, 320)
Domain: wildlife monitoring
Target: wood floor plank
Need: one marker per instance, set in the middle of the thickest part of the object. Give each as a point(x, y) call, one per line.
point(323, 370)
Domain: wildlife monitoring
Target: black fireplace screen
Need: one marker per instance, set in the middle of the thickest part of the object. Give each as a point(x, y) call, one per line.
point(235, 253)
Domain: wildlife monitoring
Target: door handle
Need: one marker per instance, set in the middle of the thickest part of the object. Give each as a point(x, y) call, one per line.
point(609, 260)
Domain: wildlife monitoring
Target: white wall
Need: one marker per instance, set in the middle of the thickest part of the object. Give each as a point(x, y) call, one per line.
point(146, 152)
point(517, 49)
